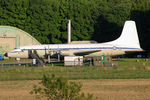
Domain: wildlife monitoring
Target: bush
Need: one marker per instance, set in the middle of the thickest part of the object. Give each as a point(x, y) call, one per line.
point(54, 88)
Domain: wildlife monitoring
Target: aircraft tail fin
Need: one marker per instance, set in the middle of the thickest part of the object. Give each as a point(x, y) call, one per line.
point(129, 36)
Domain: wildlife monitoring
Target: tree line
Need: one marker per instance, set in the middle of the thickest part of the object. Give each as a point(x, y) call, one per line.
point(99, 20)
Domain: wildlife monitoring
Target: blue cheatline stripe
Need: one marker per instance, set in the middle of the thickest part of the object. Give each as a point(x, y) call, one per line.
point(113, 48)
point(83, 48)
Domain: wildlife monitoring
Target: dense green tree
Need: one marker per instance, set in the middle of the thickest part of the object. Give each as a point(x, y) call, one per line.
point(141, 14)
point(110, 16)
point(99, 20)
point(13, 12)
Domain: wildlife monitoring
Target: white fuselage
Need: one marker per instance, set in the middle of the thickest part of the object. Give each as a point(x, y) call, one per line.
point(71, 49)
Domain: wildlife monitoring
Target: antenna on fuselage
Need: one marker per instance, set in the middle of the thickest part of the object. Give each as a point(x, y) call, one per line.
point(69, 31)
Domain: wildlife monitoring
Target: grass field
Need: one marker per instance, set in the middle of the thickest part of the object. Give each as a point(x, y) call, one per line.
point(125, 69)
point(29, 73)
point(128, 80)
point(104, 89)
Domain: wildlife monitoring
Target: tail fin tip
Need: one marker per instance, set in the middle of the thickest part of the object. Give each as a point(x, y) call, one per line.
point(129, 35)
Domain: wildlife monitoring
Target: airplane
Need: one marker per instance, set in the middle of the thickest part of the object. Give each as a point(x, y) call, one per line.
point(126, 43)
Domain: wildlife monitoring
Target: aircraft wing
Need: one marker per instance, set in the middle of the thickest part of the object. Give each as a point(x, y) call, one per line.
point(82, 53)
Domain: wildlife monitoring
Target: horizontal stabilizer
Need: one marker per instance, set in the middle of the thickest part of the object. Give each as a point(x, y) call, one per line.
point(138, 50)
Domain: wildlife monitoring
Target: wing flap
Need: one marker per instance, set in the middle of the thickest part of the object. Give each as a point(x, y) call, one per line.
point(82, 53)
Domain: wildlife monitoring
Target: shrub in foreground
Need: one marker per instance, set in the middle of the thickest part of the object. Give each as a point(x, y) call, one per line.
point(59, 88)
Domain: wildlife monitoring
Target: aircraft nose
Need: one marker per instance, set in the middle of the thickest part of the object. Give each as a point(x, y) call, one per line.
point(6, 54)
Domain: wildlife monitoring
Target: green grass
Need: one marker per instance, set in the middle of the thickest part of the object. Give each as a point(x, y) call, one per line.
point(125, 69)
point(133, 62)
point(73, 73)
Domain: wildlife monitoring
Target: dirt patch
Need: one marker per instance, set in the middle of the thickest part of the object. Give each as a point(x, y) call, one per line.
point(104, 89)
